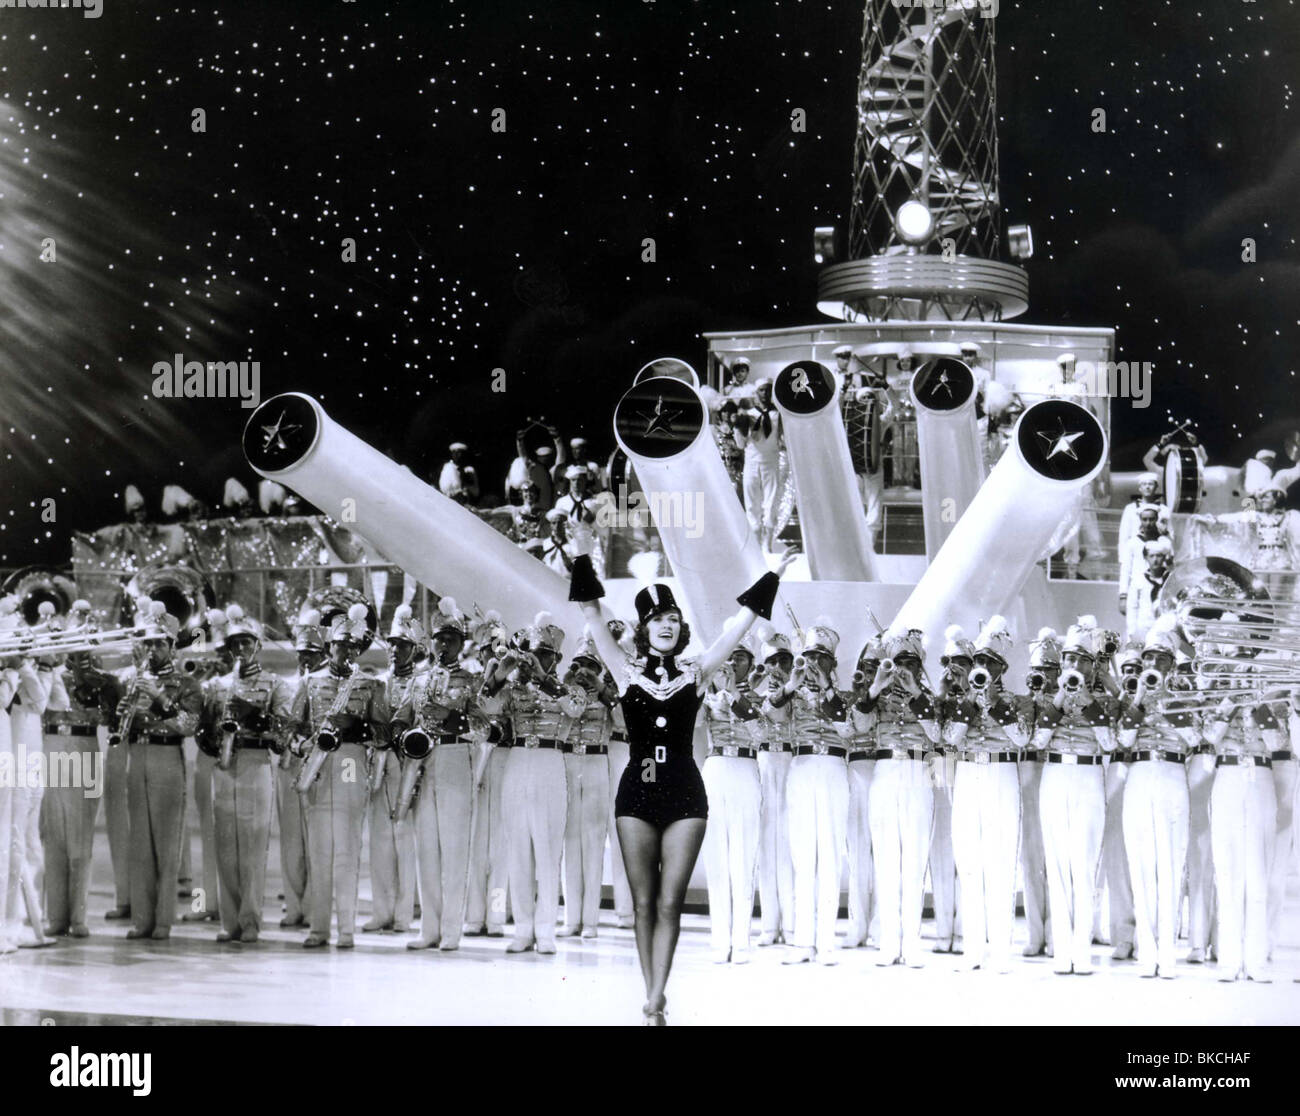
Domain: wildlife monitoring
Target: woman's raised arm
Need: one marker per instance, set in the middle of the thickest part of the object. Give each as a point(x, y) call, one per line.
point(756, 602)
point(585, 589)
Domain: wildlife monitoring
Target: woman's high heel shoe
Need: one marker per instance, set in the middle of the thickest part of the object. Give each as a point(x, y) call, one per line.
point(656, 1019)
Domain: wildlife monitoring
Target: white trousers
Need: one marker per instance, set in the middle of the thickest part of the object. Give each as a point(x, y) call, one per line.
point(117, 820)
point(900, 811)
point(1243, 830)
point(534, 798)
point(1114, 861)
point(205, 767)
point(586, 819)
point(68, 834)
point(1033, 860)
point(442, 817)
point(7, 792)
point(1072, 805)
point(485, 904)
point(293, 841)
point(1155, 838)
point(761, 485)
point(731, 848)
point(985, 839)
point(818, 803)
point(392, 850)
point(336, 819)
point(1200, 854)
point(943, 868)
point(241, 806)
point(775, 872)
point(1284, 784)
point(618, 761)
point(861, 875)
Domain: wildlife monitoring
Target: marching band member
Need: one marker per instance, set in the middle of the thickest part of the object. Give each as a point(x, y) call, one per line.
point(817, 792)
point(585, 735)
point(1073, 730)
point(988, 727)
point(206, 905)
point(252, 715)
point(27, 728)
point(485, 903)
point(1114, 858)
point(392, 840)
point(522, 685)
point(956, 660)
point(861, 745)
point(775, 754)
point(9, 682)
point(1201, 771)
point(619, 756)
point(731, 781)
point(348, 702)
point(440, 702)
point(1043, 679)
point(1243, 827)
point(1284, 783)
point(309, 646)
point(901, 804)
point(662, 805)
point(1156, 804)
point(160, 707)
point(81, 697)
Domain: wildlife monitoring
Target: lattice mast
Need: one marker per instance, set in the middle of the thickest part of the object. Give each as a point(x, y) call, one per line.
point(927, 132)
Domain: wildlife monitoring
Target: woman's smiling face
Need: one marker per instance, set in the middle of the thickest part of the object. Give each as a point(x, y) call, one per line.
point(664, 630)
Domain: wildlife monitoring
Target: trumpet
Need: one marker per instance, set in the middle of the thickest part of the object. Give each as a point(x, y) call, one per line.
point(1072, 681)
point(416, 744)
point(1147, 680)
point(325, 739)
point(226, 747)
point(1131, 682)
point(1036, 681)
point(859, 679)
point(66, 643)
point(979, 678)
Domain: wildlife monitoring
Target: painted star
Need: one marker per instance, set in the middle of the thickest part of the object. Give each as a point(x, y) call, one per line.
point(943, 382)
point(275, 434)
point(661, 419)
point(1061, 442)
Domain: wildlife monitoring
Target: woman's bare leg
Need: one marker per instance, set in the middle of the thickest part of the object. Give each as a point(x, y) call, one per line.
point(639, 841)
point(679, 849)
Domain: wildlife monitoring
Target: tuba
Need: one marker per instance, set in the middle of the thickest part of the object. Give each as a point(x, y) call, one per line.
point(184, 591)
point(33, 586)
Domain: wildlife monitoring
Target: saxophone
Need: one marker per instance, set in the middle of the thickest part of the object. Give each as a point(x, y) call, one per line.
point(228, 727)
point(123, 731)
point(325, 739)
point(416, 744)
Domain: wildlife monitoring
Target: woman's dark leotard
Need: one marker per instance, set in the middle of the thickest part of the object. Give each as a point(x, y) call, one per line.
point(661, 784)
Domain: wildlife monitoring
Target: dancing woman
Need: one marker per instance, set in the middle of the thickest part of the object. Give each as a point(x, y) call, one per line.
point(661, 808)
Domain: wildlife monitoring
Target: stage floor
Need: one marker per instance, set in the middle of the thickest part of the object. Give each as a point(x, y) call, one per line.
point(193, 979)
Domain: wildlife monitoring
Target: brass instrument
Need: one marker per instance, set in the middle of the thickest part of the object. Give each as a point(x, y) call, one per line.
point(416, 745)
point(226, 726)
point(33, 586)
point(123, 731)
point(1131, 683)
point(38, 645)
point(1072, 681)
point(325, 739)
point(859, 679)
point(979, 679)
point(1036, 681)
point(184, 591)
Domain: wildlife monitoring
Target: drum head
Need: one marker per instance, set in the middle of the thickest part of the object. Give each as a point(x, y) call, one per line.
point(1183, 481)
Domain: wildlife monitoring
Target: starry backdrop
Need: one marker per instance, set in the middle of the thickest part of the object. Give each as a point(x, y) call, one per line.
point(521, 249)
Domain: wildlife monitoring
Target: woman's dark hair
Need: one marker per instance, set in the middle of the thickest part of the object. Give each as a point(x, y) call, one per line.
point(641, 639)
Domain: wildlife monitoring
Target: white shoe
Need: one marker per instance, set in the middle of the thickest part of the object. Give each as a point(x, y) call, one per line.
point(765, 939)
point(797, 957)
point(740, 957)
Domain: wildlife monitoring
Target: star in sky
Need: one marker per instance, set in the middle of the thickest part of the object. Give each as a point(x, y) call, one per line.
point(1061, 442)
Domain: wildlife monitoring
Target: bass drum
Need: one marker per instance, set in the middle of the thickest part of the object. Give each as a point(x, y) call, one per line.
point(1184, 481)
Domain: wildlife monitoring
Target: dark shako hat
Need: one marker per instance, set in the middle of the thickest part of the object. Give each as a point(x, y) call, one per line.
point(654, 599)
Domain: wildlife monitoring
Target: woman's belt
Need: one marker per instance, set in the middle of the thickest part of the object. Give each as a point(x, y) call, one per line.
point(1243, 761)
point(988, 757)
point(1282, 757)
point(531, 741)
point(733, 751)
point(618, 737)
point(1143, 756)
point(63, 728)
point(1072, 758)
point(833, 750)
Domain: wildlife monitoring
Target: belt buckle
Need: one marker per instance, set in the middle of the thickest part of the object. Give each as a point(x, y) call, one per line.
point(63, 729)
point(1069, 758)
point(821, 749)
point(578, 749)
point(983, 757)
point(532, 740)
